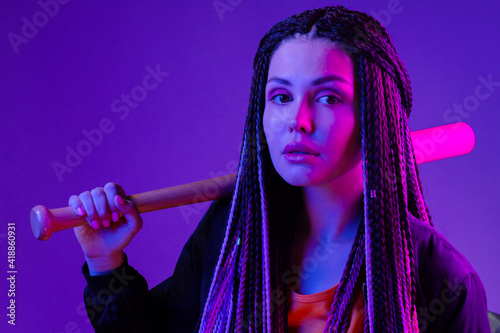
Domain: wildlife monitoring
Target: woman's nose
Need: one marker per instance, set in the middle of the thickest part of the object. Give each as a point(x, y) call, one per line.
point(301, 120)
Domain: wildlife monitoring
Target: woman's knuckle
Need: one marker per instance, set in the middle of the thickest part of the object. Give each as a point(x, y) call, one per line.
point(110, 186)
point(96, 190)
point(85, 195)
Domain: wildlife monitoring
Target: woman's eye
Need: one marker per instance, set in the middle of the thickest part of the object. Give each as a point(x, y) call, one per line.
point(329, 99)
point(281, 99)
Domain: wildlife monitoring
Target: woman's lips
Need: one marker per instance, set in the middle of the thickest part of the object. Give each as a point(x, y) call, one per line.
point(299, 152)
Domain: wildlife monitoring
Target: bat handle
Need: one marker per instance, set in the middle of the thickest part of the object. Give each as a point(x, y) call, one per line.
point(44, 222)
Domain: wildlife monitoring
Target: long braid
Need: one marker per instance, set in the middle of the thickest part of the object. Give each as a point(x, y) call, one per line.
point(376, 209)
point(393, 104)
point(353, 286)
point(369, 313)
point(406, 162)
point(266, 290)
point(209, 302)
point(386, 187)
point(402, 200)
point(283, 234)
point(243, 275)
point(255, 249)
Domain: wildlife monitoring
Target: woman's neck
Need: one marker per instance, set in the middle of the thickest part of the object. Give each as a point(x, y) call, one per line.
point(334, 210)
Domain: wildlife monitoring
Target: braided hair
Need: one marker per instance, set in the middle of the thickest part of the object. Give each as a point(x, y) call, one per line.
point(248, 292)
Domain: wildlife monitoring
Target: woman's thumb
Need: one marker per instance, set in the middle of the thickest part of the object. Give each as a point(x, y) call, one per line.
point(127, 208)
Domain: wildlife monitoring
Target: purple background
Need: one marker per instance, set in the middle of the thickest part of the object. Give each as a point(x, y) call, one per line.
point(65, 78)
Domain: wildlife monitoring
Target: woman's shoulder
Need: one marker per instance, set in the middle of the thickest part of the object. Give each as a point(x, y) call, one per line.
point(450, 294)
point(218, 212)
point(435, 255)
point(442, 269)
point(214, 218)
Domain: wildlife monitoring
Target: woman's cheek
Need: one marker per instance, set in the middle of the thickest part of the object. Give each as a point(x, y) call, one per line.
point(277, 121)
point(272, 125)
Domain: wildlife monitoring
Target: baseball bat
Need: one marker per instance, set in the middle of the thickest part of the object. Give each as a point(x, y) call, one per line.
point(429, 145)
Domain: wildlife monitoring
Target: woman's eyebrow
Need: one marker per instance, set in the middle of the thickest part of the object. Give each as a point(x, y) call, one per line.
point(279, 80)
point(329, 78)
point(316, 82)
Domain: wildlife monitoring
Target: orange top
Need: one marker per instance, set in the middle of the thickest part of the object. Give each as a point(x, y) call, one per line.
point(308, 313)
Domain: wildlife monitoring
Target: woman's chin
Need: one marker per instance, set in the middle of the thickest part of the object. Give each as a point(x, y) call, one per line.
point(300, 180)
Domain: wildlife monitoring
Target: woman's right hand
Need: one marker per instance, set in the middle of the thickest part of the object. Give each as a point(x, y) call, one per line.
point(106, 234)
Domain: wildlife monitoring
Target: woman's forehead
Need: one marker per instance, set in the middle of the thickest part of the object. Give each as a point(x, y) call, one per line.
point(311, 57)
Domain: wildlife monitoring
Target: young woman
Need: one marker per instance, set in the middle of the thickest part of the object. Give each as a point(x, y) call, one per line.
point(327, 228)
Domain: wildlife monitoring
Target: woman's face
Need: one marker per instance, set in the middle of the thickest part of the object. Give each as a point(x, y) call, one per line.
point(311, 117)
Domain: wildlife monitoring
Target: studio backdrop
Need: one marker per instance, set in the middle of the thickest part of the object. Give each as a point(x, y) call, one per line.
point(150, 94)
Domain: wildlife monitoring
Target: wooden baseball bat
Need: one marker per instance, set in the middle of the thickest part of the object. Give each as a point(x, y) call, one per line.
point(429, 144)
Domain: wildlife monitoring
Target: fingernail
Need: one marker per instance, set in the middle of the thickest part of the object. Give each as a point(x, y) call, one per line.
point(120, 200)
point(80, 211)
point(115, 217)
point(105, 223)
point(95, 225)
